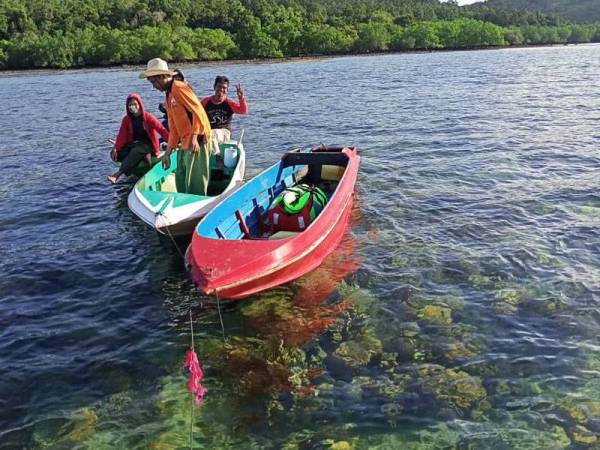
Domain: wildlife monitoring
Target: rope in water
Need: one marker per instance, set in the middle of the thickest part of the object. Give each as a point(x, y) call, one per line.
point(220, 316)
point(216, 293)
point(192, 394)
point(192, 331)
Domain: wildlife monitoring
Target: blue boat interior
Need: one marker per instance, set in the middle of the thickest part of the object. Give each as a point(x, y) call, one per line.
point(244, 214)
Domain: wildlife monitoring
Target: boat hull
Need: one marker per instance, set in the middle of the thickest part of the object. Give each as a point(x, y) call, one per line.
point(180, 223)
point(283, 272)
point(173, 213)
point(184, 228)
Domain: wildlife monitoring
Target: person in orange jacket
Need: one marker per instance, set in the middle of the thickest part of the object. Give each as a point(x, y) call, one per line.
point(189, 129)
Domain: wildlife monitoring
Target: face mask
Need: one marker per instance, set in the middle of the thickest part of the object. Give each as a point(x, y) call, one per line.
point(134, 108)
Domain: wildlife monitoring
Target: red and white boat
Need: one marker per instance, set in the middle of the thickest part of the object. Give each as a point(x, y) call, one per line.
point(234, 251)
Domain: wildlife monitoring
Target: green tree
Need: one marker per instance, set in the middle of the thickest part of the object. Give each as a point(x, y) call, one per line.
point(377, 33)
point(549, 35)
point(3, 55)
point(448, 32)
point(513, 36)
point(596, 30)
point(580, 34)
point(372, 37)
point(253, 42)
point(532, 34)
point(84, 47)
point(326, 40)
point(14, 19)
point(424, 35)
point(564, 33)
point(475, 33)
point(285, 26)
point(53, 50)
point(491, 34)
point(20, 51)
point(316, 13)
point(227, 15)
point(156, 42)
point(213, 44)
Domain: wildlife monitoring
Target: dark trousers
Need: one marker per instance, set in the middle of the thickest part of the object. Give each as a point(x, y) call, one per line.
point(132, 155)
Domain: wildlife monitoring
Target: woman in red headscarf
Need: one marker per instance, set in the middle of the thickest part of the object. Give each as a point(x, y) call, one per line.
point(137, 138)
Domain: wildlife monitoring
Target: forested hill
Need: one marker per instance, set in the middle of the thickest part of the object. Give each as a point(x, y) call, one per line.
point(575, 10)
point(80, 33)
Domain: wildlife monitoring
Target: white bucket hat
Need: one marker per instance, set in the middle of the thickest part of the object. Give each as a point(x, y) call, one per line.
point(156, 66)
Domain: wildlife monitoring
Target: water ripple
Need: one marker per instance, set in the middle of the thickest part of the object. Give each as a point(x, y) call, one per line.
point(478, 240)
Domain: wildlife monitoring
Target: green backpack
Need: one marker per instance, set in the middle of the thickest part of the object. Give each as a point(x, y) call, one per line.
point(294, 199)
point(296, 207)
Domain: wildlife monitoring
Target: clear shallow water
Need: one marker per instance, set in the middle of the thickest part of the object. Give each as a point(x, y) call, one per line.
point(462, 311)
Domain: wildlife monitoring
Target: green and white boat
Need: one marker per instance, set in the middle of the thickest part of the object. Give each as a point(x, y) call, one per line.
point(155, 199)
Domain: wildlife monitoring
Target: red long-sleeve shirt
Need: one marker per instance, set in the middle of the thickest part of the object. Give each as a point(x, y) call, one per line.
point(220, 114)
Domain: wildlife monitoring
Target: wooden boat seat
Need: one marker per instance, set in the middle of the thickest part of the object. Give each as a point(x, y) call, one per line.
point(169, 184)
point(283, 235)
point(332, 173)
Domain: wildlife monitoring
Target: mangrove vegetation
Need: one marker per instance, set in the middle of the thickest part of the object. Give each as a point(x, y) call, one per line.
point(83, 33)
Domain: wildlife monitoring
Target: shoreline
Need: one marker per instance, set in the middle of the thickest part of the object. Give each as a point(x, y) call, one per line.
point(284, 59)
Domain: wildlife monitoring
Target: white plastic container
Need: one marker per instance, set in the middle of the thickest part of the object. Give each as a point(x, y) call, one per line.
point(230, 157)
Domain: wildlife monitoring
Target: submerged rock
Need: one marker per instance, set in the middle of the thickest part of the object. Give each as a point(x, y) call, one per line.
point(505, 308)
point(341, 445)
point(583, 413)
point(359, 350)
point(510, 296)
point(456, 350)
point(457, 388)
point(338, 368)
point(404, 347)
point(392, 412)
point(481, 280)
point(440, 314)
point(583, 436)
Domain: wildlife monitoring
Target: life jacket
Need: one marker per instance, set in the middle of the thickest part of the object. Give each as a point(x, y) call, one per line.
point(296, 208)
